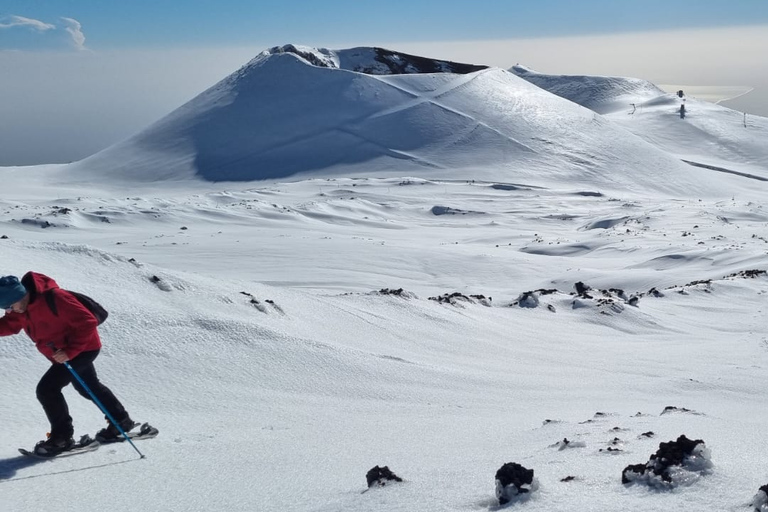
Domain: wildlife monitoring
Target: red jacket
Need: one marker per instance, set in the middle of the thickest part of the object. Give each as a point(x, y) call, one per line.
point(72, 329)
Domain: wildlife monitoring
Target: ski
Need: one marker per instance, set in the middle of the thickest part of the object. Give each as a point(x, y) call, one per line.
point(146, 431)
point(86, 444)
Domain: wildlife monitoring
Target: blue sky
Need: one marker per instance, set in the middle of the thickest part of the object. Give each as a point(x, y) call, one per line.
point(144, 23)
point(79, 75)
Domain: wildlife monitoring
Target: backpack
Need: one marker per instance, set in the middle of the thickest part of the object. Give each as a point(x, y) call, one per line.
point(96, 309)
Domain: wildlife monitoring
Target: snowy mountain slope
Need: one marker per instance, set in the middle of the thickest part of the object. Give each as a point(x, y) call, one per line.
point(281, 116)
point(709, 134)
point(603, 94)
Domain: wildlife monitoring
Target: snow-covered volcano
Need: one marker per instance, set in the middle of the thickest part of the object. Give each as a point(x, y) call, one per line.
point(293, 112)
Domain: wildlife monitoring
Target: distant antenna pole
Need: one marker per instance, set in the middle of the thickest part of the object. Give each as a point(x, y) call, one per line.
point(745, 119)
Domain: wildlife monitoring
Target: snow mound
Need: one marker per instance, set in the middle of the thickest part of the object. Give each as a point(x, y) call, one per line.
point(603, 94)
point(709, 136)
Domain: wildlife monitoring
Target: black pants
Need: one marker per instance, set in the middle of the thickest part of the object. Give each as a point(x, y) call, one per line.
point(52, 399)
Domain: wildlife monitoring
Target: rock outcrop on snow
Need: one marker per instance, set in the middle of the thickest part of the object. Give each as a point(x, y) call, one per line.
point(675, 463)
point(512, 481)
point(381, 476)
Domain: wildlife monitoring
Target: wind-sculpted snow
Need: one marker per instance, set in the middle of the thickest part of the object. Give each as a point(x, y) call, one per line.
point(393, 334)
point(522, 234)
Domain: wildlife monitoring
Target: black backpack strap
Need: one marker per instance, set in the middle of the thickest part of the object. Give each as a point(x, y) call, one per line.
point(51, 301)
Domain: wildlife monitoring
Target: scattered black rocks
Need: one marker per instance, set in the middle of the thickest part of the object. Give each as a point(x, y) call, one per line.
point(386, 291)
point(653, 292)
point(614, 446)
point(760, 501)
point(157, 281)
point(671, 409)
point(380, 476)
point(647, 435)
point(748, 274)
point(261, 307)
point(450, 298)
point(456, 298)
point(582, 289)
point(598, 415)
point(4, 237)
point(612, 300)
point(618, 292)
point(513, 480)
point(568, 479)
point(277, 308)
point(567, 443)
point(674, 463)
point(397, 292)
point(531, 299)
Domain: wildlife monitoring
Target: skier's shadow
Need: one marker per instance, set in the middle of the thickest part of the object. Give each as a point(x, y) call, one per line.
point(9, 467)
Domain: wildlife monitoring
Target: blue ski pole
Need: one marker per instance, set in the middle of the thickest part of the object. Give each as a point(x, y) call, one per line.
point(103, 409)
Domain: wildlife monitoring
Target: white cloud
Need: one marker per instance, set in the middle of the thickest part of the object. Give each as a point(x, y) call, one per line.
point(21, 21)
point(74, 28)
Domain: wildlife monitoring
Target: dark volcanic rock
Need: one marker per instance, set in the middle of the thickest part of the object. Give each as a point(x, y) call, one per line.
point(381, 476)
point(512, 479)
point(683, 453)
point(388, 62)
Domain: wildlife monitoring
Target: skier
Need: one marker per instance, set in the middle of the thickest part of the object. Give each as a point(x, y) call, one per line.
point(66, 333)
